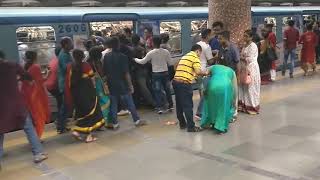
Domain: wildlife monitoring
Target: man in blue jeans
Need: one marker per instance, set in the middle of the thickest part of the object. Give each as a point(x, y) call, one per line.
point(13, 112)
point(64, 59)
point(160, 59)
point(290, 38)
point(188, 68)
point(116, 69)
point(36, 146)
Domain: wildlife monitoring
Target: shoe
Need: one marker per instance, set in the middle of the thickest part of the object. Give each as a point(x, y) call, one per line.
point(291, 75)
point(252, 113)
point(170, 109)
point(183, 127)
point(159, 111)
point(65, 130)
point(140, 123)
point(234, 119)
point(39, 158)
point(195, 129)
point(112, 126)
point(102, 128)
point(197, 117)
point(123, 113)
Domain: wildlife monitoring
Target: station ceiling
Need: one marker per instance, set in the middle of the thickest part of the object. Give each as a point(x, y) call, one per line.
point(145, 2)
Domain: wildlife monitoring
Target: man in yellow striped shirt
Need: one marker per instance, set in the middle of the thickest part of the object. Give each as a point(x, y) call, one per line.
point(187, 70)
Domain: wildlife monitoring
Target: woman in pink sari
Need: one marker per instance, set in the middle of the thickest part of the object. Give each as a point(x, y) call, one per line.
point(35, 94)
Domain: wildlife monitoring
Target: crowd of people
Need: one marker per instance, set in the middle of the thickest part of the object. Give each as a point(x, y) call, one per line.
point(309, 54)
point(112, 74)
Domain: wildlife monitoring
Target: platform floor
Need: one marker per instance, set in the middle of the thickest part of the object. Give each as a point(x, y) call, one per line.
point(282, 143)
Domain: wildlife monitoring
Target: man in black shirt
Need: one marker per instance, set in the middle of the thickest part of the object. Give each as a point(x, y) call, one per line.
point(116, 69)
point(141, 71)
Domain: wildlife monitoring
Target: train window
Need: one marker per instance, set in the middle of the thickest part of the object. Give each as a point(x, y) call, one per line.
point(309, 19)
point(40, 39)
point(173, 28)
point(110, 28)
point(196, 28)
point(285, 20)
point(271, 20)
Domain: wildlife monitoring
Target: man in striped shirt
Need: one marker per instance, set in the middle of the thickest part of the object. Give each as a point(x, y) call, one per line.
point(187, 69)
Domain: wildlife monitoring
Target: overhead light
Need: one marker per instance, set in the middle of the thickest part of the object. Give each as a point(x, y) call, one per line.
point(137, 4)
point(305, 4)
point(265, 4)
point(86, 3)
point(177, 3)
point(286, 4)
point(22, 3)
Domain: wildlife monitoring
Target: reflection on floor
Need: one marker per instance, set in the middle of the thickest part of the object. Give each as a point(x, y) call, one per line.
point(282, 143)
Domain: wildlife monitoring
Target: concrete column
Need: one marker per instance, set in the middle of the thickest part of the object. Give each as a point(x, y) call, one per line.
point(235, 14)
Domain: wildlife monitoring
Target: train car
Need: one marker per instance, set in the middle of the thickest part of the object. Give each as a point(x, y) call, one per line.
point(41, 29)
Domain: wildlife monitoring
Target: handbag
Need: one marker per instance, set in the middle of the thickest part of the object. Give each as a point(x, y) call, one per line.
point(271, 53)
point(104, 86)
point(245, 77)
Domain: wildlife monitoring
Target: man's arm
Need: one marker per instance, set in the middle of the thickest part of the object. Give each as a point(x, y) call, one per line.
point(209, 56)
point(236, 58)
point(145, 59)
point(199, 72)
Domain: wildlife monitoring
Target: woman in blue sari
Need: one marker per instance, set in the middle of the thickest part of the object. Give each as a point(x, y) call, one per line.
point(220, 102)
point(95, 55)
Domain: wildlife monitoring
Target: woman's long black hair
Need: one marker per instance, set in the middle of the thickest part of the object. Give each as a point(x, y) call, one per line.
point(78, 56)
point(30, 58)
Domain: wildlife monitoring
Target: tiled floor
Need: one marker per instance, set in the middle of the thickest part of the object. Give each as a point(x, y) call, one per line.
point(282, 143)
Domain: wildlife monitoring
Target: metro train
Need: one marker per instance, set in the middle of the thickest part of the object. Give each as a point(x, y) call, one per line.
point(41, 28)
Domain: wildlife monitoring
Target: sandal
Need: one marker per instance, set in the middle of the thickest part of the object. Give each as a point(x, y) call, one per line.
point(77, 136)
point(168, 123)
point(195, 129)
point(233, 120)
point(90, 139)
point(252, 113)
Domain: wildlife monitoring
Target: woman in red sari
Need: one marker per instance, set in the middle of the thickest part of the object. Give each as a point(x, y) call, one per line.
point(35, 94)
point(308, 53)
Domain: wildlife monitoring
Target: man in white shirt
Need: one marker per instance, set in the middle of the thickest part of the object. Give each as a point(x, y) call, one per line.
point(160, 59)
point(206, 58)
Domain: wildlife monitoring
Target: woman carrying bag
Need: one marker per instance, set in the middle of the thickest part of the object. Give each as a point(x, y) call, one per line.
point(250, 82)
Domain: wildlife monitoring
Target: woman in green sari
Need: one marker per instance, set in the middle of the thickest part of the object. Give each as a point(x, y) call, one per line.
point(220, 103)
point(95, 55)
